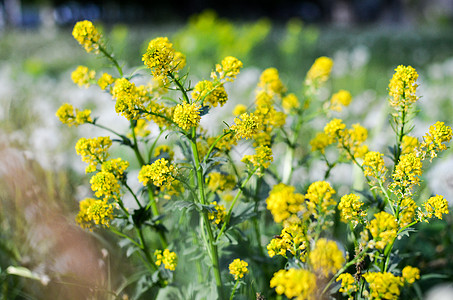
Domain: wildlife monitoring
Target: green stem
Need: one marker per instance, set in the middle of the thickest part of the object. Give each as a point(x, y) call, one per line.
point(211, 148)
point(234, 289)
point(133, 194)
point(180, 87)
point(112, 59)
point(228, 216)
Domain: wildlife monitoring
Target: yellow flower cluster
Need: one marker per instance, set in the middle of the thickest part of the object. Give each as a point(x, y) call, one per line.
point(219, 215)
point(262, 158)
point(105, 184)
point(351, 140)
point(334, 129)
point(82, 76)
point(373, 165)
point(284, 203)
point(402, 87)
point(168, 258)
point(407, 211)
point(383, 228)
point(433, 141)
point(239, 109)
point(320, 70)
point(206, 91)
point(320, 142)
point(73, 117)
point(161, 57)
point(219, 182)
point(115, 166)
point(410, 274)
point(290, 102)
point(93, 151)
point(319, 199)
point(270, 82)
point(409, 144)
point(326, 258)
point(238, 268)
point(296, 284)
point(436, 206)
point(292, 239)
point(187, 115)
point(105, 80)
point(87, 35)
point(130, 99)
point(94, 212)
point(160, 172)
point(228, 69)
point(350, 208)
point(406, 173)
point(340, 99)
point(246, 126)
point(383, 285)
point(348, 284)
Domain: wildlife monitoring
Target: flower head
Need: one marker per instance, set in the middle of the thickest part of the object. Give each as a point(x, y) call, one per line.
point(262, 158)
point(94, 212)
point(436, 206)
point(246, 126)
point(219, 182)
point(270, 82)
point(434, 141)
point(239, 109)
point(320, 142)
point(402, 87)
point(73, 117)
point(168, 258)
point(373, 165)
point(295, 283)
point(410, 274)
point(348, 284)
point(105, 80)
point(284, 203)
point(292, 239)
point(409, 144)
point(129, 98)
point(87, 35)
point(407, 173)
point(161, 57)
point(219, 214)
point(340, 99)
point(290, 102)
point(319, 198)
point(93, 151)
point(187, 115)
point(82, 76)
point(238, 268)
point(160, 172)
point(351, 210)
point(320, 70)
point(383, 228)
point(214, 95)
point(105, 184)
point(383, 285)
point(228, 69)
point(326, 258)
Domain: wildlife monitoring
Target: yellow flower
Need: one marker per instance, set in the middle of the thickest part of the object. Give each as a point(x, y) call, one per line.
point(239, 109)
point(402, 87)
point(284, 203)
point(433, 141)
point(340, 99)
point(348, 284)
point(87, 35)
point(160, 172)
point(93, 151)
point(407, 211)
point(228, 69)
point(290, 102)
point(238, 268)
point(187, 115)
point(82, 76)
point(105, 184)
point(409, 144)
point(246, 126)
point(292, 239)
point(407, 173)
point(115, 166)
point(219, 214)
point(168, 258)
point(94, 212)
point(334, 129)
point(220, 182)
point(383, 285)
point(320, 142)
point(350, 208)
point(410, 274)
point(105, 80)
point(73, 117)
point(295, 283)
point(270, 82)
point(383, 228)
point(320, 70)
point(211, 94)
point(436, 206)
point(161, 58)
point(129, 98)
point(141, 128)
point(319, 199)
point(373, 165)
point(262, 158)
point(326, 258)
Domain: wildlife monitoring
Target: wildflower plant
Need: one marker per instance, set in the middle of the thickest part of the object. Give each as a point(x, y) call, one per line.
point(196, 198)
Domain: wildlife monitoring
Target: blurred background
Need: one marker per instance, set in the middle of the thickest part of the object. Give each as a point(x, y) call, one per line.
point(42, 179)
